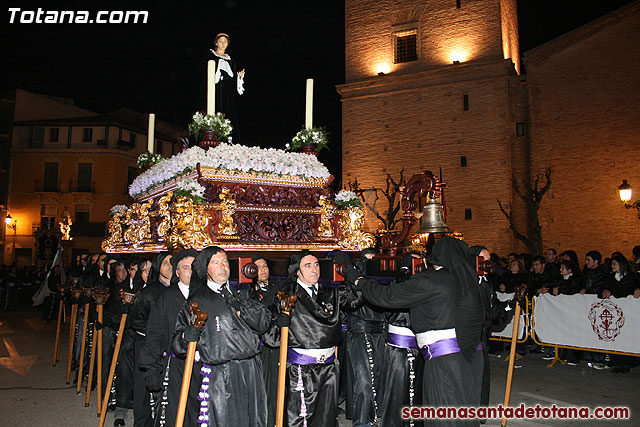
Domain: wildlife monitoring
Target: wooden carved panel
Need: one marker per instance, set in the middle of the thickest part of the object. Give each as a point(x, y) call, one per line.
point(276, 227)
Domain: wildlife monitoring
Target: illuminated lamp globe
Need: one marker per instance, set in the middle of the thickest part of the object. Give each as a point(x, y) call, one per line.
point(625, 191)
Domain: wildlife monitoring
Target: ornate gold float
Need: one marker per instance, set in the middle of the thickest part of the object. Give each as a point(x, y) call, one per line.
point(240, 211)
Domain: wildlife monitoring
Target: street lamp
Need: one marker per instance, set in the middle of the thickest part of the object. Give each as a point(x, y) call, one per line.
point(626, 193)
point(12, 225)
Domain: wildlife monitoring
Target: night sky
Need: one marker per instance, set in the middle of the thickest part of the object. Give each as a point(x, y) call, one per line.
point(161, 66)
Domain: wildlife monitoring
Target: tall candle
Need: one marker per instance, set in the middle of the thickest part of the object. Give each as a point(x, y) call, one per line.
point(308, 117)
point(211, 86)
point(152, 128)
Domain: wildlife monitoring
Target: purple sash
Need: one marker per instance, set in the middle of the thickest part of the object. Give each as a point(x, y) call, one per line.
point(296, 358)
point(404, 341)
point(442, 348)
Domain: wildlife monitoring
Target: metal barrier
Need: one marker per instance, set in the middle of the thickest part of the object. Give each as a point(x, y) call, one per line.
point(526, 327)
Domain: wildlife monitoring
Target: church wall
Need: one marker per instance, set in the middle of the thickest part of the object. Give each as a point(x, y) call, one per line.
point(585, 106)
point(426, 128)
point(510, 41)
point(413, 115)
point(445, 33)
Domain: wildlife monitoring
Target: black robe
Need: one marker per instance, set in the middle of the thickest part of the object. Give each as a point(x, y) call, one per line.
point(397, 384)
point(124, 380)
point(495, 313)
point(157, 360)
point(145, 299)
point(314, 325)
point(270, 355)
point(451, 380)
point(230, 345)
point(364, 342)
point(227, 95)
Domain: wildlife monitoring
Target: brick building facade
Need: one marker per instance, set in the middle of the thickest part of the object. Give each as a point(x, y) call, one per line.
point(438, 84)
point(64, 157)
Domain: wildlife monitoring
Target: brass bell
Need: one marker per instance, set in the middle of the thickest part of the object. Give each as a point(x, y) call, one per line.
point(433, 218)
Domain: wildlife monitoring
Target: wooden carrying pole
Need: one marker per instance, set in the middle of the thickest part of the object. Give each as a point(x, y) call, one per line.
point(56, 347)
point(512, 359)
point(82, 347)
point(75, 294)
point(100, 296)
point(127, 300)
point(198, 318)
point(99, 367)
point(286, 306)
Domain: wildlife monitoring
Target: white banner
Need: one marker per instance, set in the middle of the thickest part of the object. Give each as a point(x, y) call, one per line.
point(43, 292)
point(507, 331)
point(588, 321)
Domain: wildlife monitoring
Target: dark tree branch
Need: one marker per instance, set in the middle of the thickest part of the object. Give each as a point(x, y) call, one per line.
point(512, 225)
point(391, 192)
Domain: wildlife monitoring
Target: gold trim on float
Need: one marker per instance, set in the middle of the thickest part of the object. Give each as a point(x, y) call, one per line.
point(276, 209)
point(230, 246)
point(262, 178)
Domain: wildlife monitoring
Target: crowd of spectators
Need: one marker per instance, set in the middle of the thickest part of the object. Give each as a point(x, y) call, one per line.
point(561, 274)
point(614, 276)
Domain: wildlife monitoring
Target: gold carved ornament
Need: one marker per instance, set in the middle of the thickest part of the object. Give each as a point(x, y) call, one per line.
point(327, 209)
point(164, 212)
point(144, 222)
point(350, 222)
point(115, 232)
point(228, 207)
point(138, 222)
point(188, 225)
point(131, 235)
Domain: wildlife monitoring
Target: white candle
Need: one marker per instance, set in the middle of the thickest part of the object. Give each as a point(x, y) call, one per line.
point(152, 128)
point(308, 117)
point(211, 86)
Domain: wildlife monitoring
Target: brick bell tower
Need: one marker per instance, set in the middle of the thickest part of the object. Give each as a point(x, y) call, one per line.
point(433, 84)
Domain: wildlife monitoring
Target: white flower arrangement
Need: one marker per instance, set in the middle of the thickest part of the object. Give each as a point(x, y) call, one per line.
point(314, 136)
point(217, 122)
point(347, 198)
point(229, 157)
point(149, 159)
point(190, 188)
point(117, 209)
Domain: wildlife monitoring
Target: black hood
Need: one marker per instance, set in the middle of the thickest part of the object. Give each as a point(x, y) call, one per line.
point(453, 254)
point(154, 274)
point(176, 258)
point(199, 268)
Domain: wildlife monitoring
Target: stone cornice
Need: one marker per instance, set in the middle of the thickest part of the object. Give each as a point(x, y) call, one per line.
point(450, 74)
